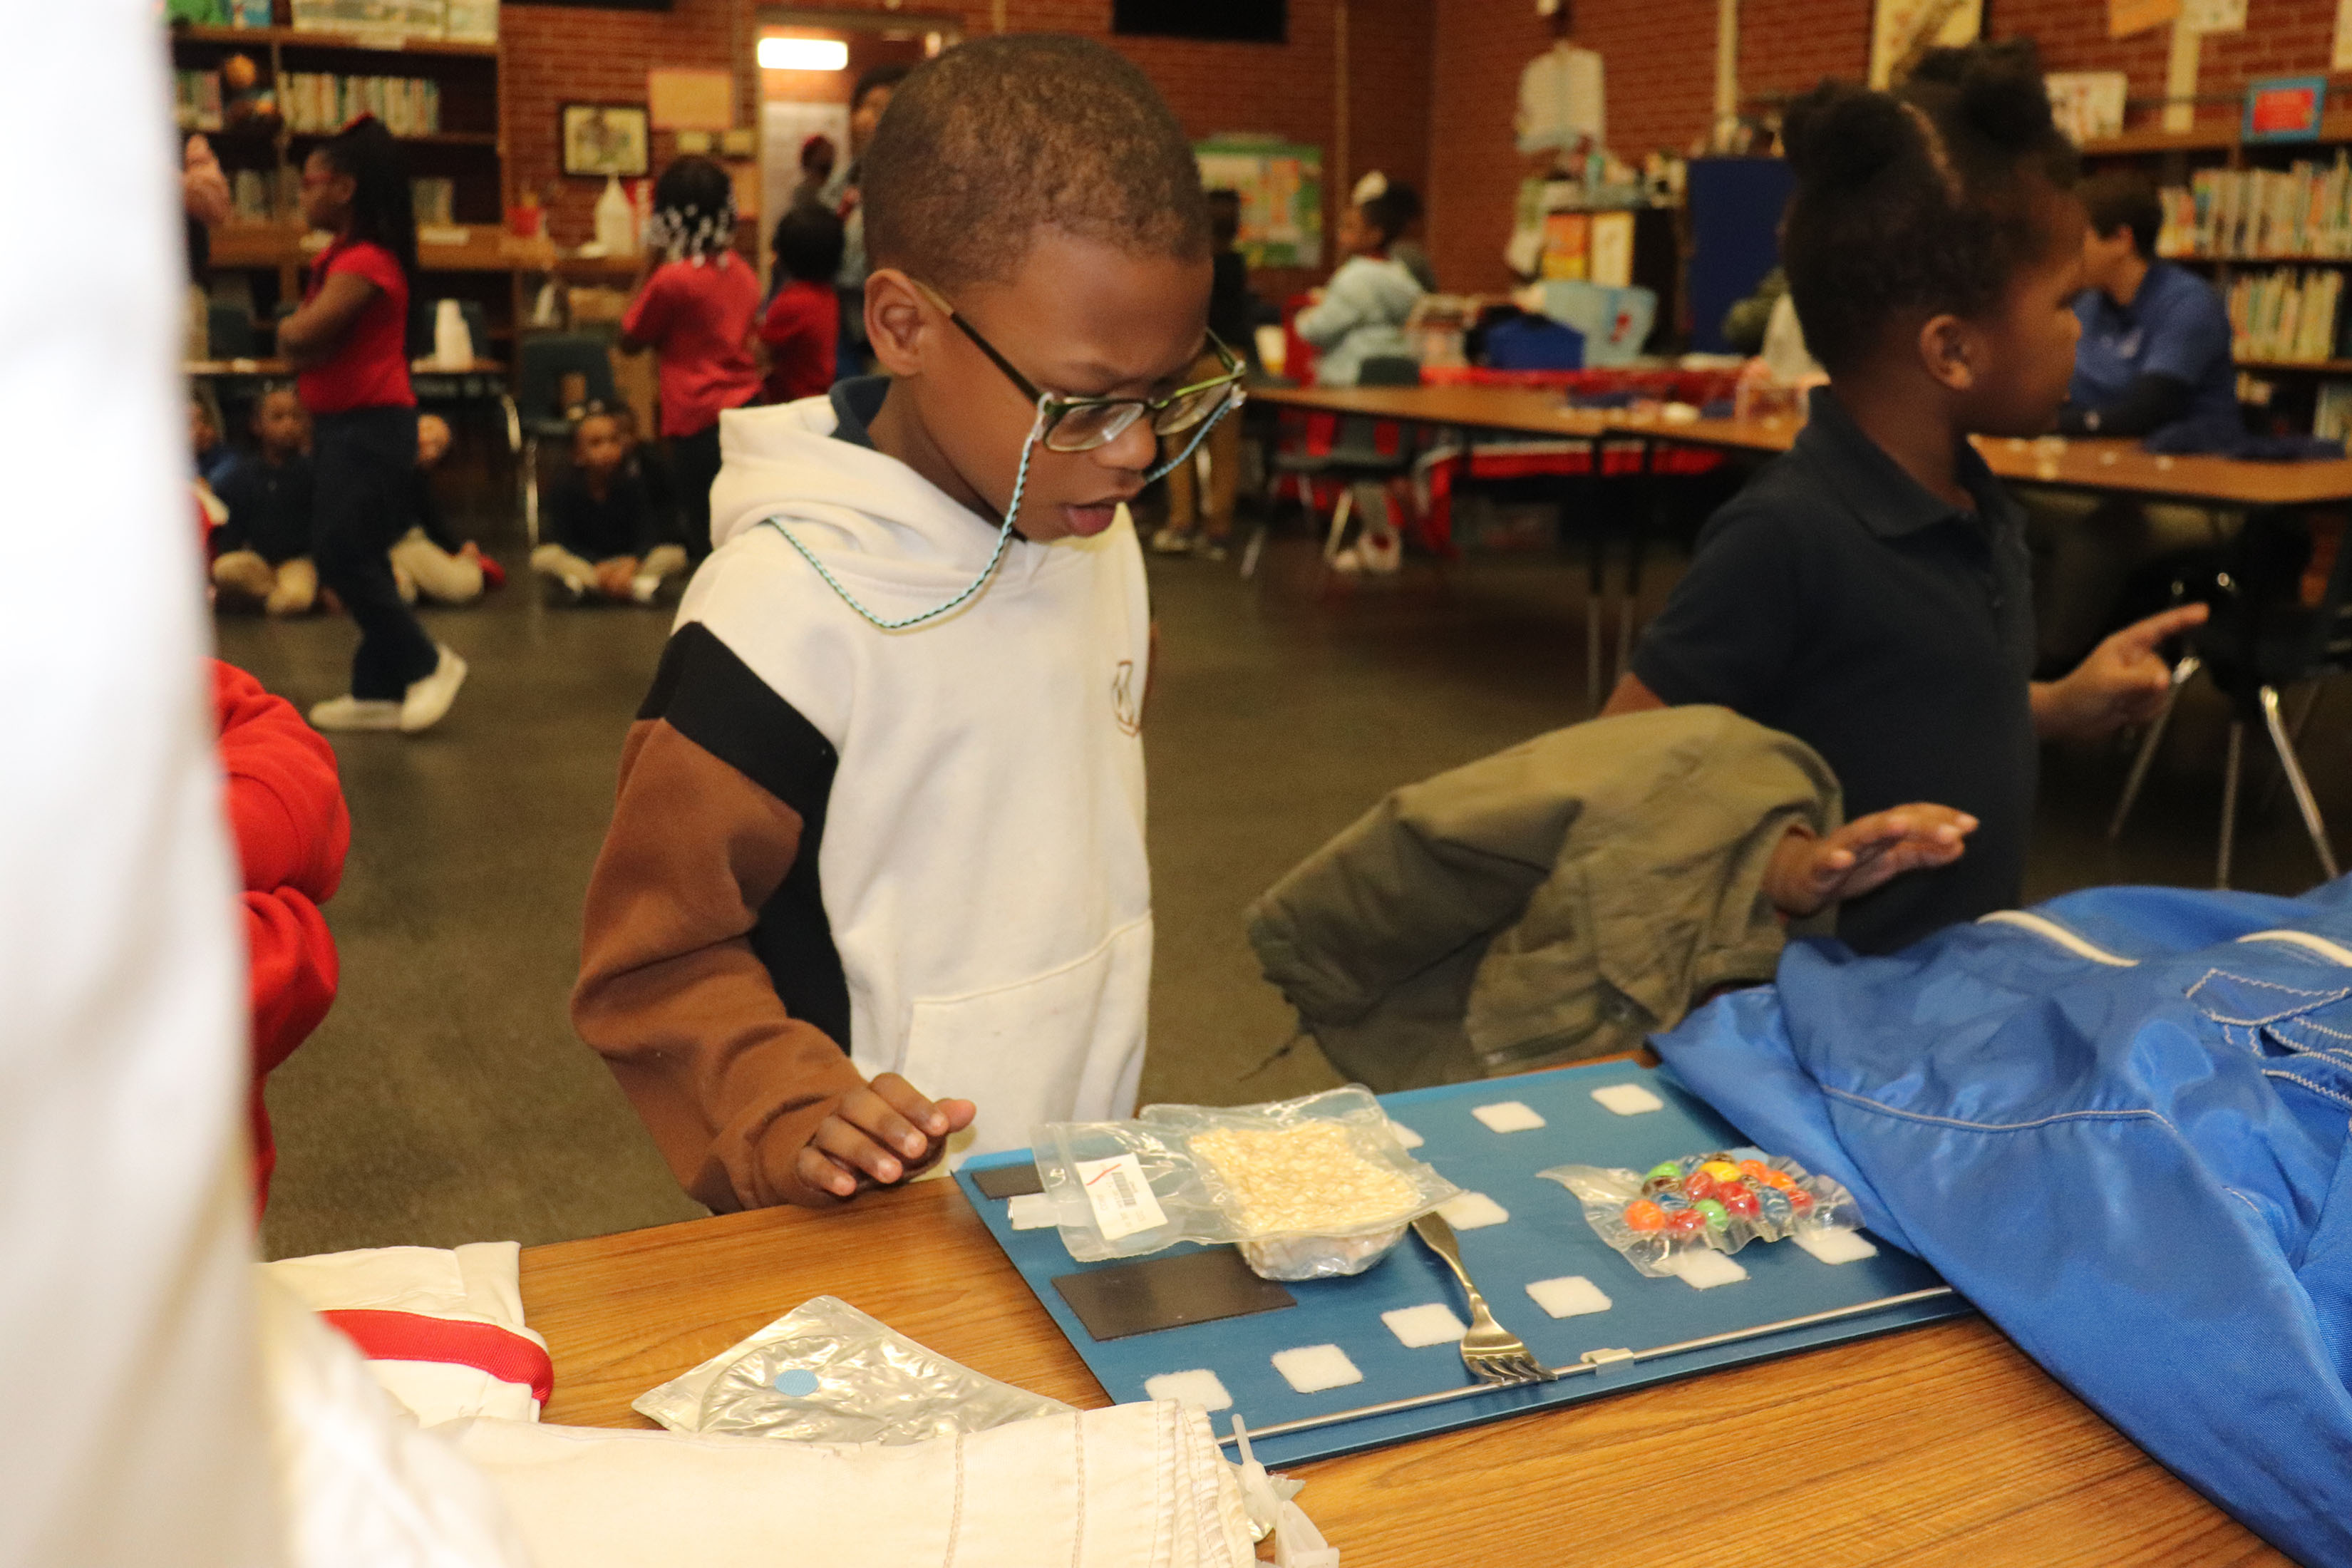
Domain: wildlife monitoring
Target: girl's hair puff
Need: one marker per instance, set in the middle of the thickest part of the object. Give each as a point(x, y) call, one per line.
point(1925, 199)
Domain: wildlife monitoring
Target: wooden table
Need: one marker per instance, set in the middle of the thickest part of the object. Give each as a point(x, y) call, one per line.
point(2076, 463)
point(1938, 1445)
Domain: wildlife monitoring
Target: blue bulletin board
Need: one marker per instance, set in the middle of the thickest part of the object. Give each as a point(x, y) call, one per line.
point(1544, 1238)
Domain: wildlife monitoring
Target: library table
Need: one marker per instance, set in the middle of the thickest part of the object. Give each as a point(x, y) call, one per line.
point(1938, 1445)
point(2106, 465)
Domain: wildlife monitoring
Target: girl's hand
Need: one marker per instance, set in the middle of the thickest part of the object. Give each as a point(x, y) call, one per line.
point(1864, 854)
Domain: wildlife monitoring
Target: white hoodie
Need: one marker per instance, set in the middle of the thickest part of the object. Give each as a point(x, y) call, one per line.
point(982, 857)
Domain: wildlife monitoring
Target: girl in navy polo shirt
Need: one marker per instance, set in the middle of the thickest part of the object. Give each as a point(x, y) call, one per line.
point(349, 341)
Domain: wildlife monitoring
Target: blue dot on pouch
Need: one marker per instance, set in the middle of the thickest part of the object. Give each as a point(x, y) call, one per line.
point(797, 1381)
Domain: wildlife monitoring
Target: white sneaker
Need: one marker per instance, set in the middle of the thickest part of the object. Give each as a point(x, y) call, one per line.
point(428, 699)
point(1168, 542)
point(356, 714)
point(1380, 557)
point(645, 588)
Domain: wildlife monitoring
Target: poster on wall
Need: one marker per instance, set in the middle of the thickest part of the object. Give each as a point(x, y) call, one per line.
point(1903, 30)
point(2341, 57)
point(2126, 17)
point(2214, 15)
point(691, 99)
point(1281, 187)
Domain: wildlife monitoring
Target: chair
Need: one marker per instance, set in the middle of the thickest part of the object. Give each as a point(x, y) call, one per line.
point(229, 332)
point(544, 360)
point(2261, 637)
point(1354, 459)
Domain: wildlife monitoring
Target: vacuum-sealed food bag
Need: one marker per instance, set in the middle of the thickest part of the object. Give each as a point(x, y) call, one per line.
point(1307, 1188)
point(1720, 1201)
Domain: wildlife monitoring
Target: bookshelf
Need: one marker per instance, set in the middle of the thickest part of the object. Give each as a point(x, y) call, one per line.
point(443, 99)
point(2269, 223)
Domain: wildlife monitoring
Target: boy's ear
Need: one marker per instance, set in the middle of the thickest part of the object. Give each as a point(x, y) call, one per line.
point(896, 321)
point(1948, 349)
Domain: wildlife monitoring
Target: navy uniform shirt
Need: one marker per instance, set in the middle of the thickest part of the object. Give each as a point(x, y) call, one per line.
point(2176, 326)
point(1837, 600)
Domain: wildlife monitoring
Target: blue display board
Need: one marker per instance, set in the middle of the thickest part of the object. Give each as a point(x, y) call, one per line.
point(1546, 1238)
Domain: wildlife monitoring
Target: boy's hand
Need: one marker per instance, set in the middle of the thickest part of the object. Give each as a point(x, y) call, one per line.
point(882, 1134)
point(613, 576)
point(2122, 683)
point(1866, 854)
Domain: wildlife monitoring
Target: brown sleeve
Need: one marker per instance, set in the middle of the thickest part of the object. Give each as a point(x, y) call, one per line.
point(672, 995)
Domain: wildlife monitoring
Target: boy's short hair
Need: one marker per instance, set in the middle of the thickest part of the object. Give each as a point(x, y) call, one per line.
point(807, 243)
point(1925, 198)
point(1393, 211)
point(586, 414)
point(2121, 199)
point(1002, 136)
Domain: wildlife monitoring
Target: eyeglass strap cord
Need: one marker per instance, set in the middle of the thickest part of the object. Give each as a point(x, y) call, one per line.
point(1004, 533)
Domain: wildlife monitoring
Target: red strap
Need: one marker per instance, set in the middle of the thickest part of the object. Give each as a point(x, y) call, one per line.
point(413, 1336)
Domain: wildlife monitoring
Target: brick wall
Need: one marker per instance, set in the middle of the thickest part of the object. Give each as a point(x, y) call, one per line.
point(2283, 37)
point(555, 56)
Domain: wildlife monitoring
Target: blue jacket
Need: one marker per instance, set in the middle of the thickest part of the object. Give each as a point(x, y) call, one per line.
point(2116, 1123)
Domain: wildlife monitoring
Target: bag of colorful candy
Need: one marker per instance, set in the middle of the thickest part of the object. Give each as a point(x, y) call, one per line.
point(1722, 1200)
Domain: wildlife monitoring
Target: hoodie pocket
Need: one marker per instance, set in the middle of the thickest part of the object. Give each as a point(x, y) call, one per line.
point(1057, 1047)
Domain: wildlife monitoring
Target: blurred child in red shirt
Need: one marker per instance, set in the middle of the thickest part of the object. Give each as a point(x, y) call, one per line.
point(801, 327)
point(286, 810)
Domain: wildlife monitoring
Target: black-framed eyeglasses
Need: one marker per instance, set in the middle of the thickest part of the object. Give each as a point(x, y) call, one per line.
point(1083, 423)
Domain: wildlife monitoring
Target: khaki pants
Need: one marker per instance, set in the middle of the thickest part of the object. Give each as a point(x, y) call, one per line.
point(289, 588)
point(423, 567)
point(2085, 546)
point(1224, 445)
point(554, 561)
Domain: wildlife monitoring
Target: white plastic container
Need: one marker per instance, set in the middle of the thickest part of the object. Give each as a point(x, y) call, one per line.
point(616, 220)
point(453, 341)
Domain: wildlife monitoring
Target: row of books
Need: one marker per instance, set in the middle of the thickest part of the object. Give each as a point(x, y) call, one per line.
point(2288, 315)
point(275, 195)
point(2302, 210)
point(196, 100)
point(474, 21)
point(319, 101)
point(2332, 419)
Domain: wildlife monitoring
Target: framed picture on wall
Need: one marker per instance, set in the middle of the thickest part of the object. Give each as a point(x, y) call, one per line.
point(600, 139)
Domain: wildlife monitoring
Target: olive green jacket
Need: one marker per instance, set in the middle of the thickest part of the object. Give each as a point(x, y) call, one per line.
point(1554, 901)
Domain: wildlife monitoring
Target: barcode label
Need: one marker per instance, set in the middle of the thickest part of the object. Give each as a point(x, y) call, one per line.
point(1121, 1197)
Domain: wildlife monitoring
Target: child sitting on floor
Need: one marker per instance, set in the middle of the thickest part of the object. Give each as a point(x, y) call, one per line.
point(802, 324)
point(264, 559)
point(918, 660)
point(601, 536)
point(1869, 593)
point(430, 558)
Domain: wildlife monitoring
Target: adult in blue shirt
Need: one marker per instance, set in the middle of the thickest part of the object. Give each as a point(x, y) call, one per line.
point(2154, 358)
point(2155, 351)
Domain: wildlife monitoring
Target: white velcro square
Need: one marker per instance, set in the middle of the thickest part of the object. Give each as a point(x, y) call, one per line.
point(1509, 1116)
point(1473, 1211)
point(1434, 1324)
point(1704, 1269)
point(1834, 1246)
point(1200, 1387)
point(1628, 1098)
point(1405, 1135)
point(1032, 1211)
point(1312, 1369)
point(1569, 1295)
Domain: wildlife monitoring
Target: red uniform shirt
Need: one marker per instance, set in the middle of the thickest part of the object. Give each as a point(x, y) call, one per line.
point(801, 329)
point(370, 369)
point(699, 319)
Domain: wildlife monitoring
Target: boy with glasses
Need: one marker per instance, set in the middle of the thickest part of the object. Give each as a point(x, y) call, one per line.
point(875, 890)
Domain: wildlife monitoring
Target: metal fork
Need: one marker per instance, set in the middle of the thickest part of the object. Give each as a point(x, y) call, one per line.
point(1491, 1352)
